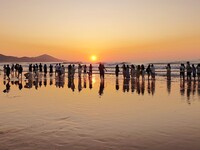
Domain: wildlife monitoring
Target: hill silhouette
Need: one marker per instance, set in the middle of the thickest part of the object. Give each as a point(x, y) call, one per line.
point(41, 58)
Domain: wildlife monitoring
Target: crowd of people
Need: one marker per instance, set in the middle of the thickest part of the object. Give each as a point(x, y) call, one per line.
point(128, 71)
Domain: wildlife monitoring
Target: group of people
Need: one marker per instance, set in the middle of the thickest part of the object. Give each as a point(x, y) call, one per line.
point(128, 71)
point(136, 71)
point(14, 69)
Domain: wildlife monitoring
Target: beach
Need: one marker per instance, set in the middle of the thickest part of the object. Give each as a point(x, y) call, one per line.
point(58, 113)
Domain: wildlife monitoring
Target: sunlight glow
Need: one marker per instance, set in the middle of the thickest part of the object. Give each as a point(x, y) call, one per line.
point(93, 58)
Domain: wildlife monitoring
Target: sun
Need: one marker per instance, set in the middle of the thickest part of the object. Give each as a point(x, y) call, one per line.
point(93, 58)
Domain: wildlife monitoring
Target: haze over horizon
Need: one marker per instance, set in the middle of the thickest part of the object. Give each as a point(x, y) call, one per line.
point(113, 30)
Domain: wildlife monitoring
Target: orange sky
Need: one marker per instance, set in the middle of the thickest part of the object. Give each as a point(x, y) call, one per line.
point(113, 30)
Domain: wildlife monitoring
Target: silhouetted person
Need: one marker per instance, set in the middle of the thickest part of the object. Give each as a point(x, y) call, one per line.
point(79, 70)
point(124, 70)
point(20, 71)
point(30, 68)
point(69, 70)
point(40, 67)
point(189, 71)
point(90, 70)
point(117, 70)
point(153, 72)
point(148, 70)
point(133, 71)
point(45, 70)
point(85, 69)
point(182, 71)
point(8, 71)
point(194, 71)
point(168, 67)
point(198, 71)
point(142, 71)
point(102, 70)
point(51, 69)
point(127, 72)
point(138, 72)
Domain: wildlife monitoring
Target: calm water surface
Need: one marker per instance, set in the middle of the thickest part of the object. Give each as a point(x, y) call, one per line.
point(57, 113)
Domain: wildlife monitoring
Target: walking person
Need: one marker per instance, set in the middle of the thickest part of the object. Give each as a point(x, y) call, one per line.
point(8, 71)
point(79, 70)
point(153, 72)
point(148, 70)
point(142, 71)
point(90, 70)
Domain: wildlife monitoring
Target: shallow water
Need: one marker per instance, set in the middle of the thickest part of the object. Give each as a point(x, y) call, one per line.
point(58, 113)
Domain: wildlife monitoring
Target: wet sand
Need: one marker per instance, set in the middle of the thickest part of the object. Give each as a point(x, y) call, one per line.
point(58, 113)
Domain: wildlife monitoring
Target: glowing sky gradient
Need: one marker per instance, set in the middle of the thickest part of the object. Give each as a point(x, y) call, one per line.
point(113, 30)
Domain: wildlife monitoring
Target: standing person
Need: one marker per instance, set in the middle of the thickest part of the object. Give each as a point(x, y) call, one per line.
point(168, 67)
point(194, 71)
point(20, 70)
point(132, 71)
point(73, 70)
point(69, 70)
point(40, 67)
point(79, 70)
point(12, 69)
point(117, 70)
point(124, 70)
point(142, 71)
point(148, 70)
point(102, 70)
point(189, 71)
point(138, 72)
point(51, 69)
point(85, 69)
point(45, 70)
point(8, 71)
point(127, 72)
point(198, 72)
point(153, 72)
point(182, 71)
point(90, 70)
point(30, 68)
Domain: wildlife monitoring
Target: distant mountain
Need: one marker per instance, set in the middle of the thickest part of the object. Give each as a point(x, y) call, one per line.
point(42, 58)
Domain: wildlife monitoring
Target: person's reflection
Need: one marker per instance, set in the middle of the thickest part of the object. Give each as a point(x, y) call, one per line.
point(153, 86)
point(126, 82)
point(194, 87)
point(182, 87)
point(149, 87)
point(69, 82)
point(20, 84)
point(7, 90)
point(138, 86)
point(35, 83)
point(169, 85)
point(90, 82)
point(72, 85)
point(101, 87)
point(45, 81)
point(117, 84)
point(132, 85)
point(40, 79)
point(51, 81)
point(29, 84)
point(189, 86)
point(79, 84)
point(85, 81)
point(143, 87)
